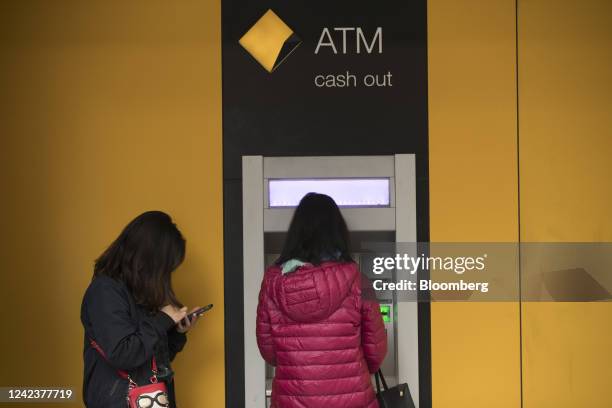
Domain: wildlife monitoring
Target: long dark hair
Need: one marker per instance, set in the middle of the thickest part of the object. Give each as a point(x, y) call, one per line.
point(317, 232)
point(144, 255)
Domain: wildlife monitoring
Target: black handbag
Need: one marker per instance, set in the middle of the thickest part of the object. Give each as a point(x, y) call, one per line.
point(394, 397)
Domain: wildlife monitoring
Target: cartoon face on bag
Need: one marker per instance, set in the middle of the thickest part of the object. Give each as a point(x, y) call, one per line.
point(157, 399)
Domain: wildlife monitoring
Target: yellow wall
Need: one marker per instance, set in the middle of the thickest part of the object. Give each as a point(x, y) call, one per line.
point(109, 108)
point(473, 192)
point(565, 144)
point(565, 60)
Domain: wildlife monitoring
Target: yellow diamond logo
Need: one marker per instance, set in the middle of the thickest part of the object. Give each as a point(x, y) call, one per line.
point(270, 41)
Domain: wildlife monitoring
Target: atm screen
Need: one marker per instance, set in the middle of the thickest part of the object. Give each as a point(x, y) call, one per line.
point(349, 192)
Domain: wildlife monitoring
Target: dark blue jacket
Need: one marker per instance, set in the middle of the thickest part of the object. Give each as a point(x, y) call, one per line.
point(129, 336)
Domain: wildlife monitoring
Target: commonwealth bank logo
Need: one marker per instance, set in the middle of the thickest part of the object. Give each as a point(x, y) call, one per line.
point(270, 41)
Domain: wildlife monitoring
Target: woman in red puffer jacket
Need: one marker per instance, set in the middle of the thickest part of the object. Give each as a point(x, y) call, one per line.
point(313, 323)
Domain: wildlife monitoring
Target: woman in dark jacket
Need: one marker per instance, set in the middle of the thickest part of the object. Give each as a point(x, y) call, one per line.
point(131, 312)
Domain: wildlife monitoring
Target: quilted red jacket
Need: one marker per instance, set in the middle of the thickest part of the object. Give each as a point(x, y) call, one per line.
point(322, 335)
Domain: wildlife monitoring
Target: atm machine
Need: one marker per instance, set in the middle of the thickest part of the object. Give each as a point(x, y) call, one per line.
point(376, 195)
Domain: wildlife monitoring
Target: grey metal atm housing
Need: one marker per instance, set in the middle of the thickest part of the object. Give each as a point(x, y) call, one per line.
point(264, 229)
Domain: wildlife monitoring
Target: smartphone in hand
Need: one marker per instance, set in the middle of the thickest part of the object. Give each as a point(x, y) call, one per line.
point(199, 312)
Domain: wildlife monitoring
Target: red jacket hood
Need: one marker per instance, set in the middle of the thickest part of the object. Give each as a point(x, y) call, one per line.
point(312, 293)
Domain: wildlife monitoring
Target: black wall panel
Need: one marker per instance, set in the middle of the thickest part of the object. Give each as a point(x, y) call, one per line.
point(284, 113)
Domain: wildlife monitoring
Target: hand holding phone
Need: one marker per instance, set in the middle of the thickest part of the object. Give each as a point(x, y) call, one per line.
point(187, 323)
point(199, 312)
